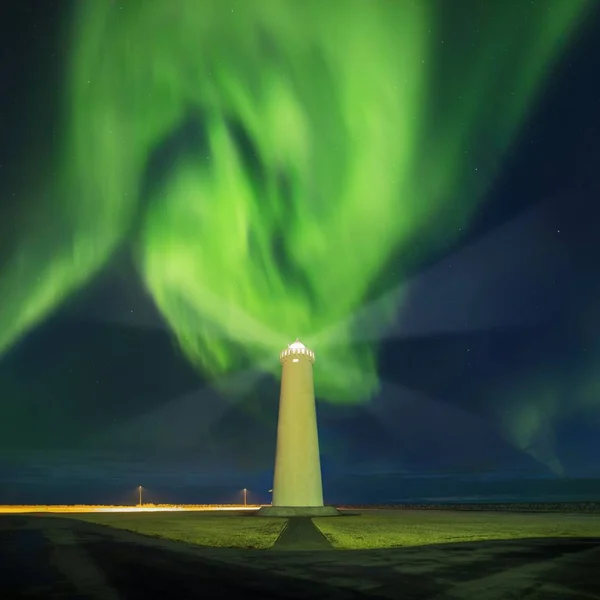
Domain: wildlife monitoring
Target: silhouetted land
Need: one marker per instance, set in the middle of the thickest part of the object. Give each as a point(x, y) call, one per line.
point(566, 507)
point(56, 557)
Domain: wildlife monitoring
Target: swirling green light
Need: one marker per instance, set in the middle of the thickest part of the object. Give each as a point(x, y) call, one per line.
point(346, 160)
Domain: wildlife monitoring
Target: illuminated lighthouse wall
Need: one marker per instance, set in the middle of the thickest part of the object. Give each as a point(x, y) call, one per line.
point(297, 484)
point(297, 480)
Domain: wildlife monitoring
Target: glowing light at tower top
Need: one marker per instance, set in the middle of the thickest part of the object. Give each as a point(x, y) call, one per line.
point(297, 348)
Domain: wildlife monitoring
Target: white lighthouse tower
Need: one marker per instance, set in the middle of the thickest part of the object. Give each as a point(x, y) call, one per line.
point(297, 484)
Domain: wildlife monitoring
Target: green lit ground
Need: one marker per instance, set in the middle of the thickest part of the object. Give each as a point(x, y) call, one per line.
point(386, 529)
point(419, 528)
point(220, 531)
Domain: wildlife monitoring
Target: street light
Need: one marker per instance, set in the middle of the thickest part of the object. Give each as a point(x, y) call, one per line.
point(140, 494)
point(245, 497)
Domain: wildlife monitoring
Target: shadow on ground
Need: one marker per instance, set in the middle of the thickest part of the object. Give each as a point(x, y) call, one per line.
point(300, 533)
point(64, 558)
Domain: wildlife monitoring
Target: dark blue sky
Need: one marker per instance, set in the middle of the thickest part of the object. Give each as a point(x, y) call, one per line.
point(491, 370)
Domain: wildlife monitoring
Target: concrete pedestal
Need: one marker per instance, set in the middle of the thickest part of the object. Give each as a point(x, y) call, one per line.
point(298, 511)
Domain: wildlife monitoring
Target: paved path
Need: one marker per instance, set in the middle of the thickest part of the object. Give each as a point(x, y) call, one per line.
point(300, 533)
point(52, 557)
point(58, 558)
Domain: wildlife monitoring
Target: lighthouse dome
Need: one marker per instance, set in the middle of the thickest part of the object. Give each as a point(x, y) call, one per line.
point(297, 345)
point(296, 350)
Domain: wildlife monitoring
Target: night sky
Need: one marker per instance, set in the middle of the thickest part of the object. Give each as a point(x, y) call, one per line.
point(481, 323)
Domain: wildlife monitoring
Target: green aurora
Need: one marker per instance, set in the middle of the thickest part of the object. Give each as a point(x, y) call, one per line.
point(332, 136)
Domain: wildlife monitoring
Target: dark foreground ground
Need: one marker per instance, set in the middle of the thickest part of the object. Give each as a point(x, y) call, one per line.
point(52, 557)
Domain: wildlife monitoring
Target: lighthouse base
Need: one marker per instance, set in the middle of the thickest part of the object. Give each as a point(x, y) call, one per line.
point(298, 511)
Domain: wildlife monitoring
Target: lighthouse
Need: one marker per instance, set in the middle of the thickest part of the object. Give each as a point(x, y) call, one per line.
point(297, 482)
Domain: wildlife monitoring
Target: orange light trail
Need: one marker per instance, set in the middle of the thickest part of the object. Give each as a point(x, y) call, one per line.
point(82, 508)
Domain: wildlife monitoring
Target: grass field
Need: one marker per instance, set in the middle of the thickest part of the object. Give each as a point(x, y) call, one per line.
point(386, 529)
point(419, 527)
point(217, 530)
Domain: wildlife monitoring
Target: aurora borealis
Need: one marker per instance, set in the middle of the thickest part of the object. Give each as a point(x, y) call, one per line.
point(309, 132)
point(283, 168)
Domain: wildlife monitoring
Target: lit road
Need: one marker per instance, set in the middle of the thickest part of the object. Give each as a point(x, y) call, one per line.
point(82, 508)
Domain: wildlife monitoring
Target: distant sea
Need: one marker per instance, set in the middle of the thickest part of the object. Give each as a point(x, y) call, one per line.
point(89, 484)
point(448, 490)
